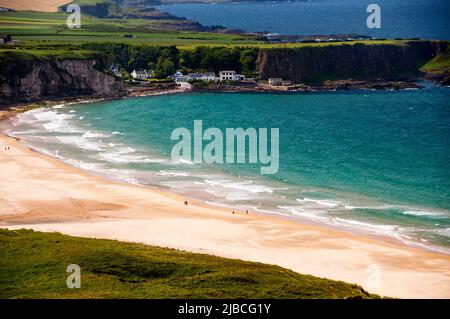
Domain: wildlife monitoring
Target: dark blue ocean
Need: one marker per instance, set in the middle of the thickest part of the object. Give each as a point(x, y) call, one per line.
point(429, 19)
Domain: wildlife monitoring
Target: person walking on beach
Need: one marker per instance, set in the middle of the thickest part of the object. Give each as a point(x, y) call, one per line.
point(185, 203)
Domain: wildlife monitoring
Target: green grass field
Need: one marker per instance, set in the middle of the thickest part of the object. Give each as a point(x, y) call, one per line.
point(50, 28)
point(33, 265)
point(37, 27)
point(438, 65)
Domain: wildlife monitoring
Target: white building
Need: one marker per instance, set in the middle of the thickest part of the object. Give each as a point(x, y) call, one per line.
point(142, 74)
point(115, 69)
point(208, 77)
point(230, 76)
point(185, 86)
point(275, 81)
point(177, 74)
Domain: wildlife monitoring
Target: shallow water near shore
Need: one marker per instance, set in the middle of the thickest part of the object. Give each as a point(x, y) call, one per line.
point(376, 162)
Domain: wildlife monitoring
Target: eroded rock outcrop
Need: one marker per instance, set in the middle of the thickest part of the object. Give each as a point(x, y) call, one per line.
point(30, 80)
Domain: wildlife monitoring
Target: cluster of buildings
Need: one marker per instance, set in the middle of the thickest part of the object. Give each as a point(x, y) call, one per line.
point(7, 39)
point(179, 77)
point(142, 74)
point(3, 9)
point(224, 76)
point(279, 82)
point(184, 79)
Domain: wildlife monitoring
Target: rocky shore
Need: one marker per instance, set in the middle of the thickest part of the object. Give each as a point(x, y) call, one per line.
point(172, 88)
point(340, 85)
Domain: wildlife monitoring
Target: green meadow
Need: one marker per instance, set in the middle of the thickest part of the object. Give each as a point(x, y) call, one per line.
point(37, 28)
point(34, 265)
point(438, 65)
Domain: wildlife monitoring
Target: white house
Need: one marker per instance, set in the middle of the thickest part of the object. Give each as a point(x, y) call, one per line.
point(115, 69)
point(182, 79)
point(142, 74)
point(185, 86)
point(230, 76)
point(275, 81)
point(208, 76)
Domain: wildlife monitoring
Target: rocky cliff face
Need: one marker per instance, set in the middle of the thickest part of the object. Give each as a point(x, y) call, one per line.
point(358, 61)
point(29, 80)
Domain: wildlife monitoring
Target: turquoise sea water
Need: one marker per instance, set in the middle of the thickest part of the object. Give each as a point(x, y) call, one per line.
point(429, 19)
point(377, 162)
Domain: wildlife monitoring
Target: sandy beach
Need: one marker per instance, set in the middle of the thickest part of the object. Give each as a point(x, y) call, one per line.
point(43, 5)
point(41, 193)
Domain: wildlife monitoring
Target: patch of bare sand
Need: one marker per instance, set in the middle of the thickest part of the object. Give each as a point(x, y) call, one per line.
point(32, 5)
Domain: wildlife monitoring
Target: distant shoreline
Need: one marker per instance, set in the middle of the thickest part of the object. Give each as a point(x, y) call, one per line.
point(343, 86)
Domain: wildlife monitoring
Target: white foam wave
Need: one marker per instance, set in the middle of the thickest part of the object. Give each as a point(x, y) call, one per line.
point(80, 142)
point(124, 155)
point(51, 120)
point(327, 203)
point(388, 230)
point(312, 215)
point(246, 186)
point(182, 161)
point(381, 207)
point(166, 173)
point(423, 213)
point(443, 232)
point(90, 134)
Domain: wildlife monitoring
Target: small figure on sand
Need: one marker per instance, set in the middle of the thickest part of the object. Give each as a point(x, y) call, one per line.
point(185, 203)
point(233, 212)
point(246, 212)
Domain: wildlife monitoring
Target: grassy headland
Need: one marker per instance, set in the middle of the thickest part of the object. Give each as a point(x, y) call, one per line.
point(33, 265)
point(438, 65)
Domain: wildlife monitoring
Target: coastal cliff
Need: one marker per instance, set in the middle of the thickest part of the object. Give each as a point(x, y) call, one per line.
point(30, 80)
point(315, 64)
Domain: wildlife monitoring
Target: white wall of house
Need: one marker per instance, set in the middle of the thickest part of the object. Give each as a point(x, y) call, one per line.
point(275, 81)
point(141, 75)
point(230, 76)
point(209, 77)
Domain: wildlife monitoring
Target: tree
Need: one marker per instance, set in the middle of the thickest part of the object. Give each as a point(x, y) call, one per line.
point(164, 68)
point(248, 60)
